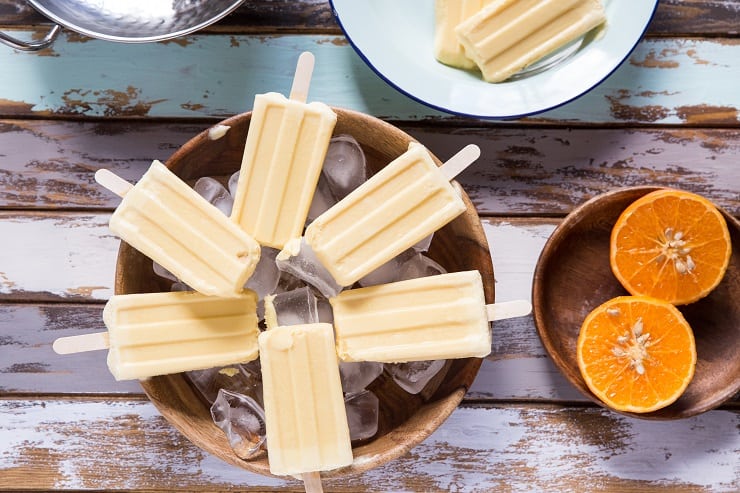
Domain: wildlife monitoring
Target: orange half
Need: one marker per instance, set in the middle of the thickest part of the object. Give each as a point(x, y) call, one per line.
point(636, 353)
point(671, 245)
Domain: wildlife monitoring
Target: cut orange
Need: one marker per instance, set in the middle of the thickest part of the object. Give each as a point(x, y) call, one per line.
point(671, 245)
point(636, 353)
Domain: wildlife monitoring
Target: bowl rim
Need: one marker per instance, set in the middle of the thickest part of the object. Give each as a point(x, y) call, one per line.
point(398, 436)
point(489, 116)
point(546, 256)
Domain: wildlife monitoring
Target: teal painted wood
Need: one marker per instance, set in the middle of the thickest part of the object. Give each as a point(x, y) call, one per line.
point(666, 81)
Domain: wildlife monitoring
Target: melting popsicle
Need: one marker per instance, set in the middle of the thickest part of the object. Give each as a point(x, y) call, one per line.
point(448, 14)
point(508, 35)
point(285, 149)
point(306, 420)
point(430, 318)
point(152, 334)
point(166, 220)
point(396, 208)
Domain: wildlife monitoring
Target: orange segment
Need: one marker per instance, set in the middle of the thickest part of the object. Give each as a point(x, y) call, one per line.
point(671, 245)
point(636, 353)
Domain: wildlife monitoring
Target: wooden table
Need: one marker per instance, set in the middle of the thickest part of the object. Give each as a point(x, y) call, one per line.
point(668, 116)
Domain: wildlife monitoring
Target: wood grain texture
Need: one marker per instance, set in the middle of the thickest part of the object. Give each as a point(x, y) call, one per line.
point(78, 445)
point(522, 171)
point(687, 17)
point(518, 367)
point(665, 81)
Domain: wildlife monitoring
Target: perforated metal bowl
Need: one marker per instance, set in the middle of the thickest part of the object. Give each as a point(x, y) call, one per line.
point(129, 21)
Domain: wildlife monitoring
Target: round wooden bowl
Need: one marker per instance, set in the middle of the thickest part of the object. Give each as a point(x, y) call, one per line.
point(405, 420)
point(573, 277)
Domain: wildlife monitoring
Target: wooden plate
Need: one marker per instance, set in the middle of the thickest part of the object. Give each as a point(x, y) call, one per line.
point(573, 277)
point(405, 420)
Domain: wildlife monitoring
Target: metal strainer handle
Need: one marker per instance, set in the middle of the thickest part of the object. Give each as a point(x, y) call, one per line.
point(32, 45)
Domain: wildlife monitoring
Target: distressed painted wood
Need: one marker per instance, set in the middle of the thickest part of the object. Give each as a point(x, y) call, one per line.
point(523, 171)
point(60, 256)
point(688, 17)
point(666, 81)
point(518, 367)
point(47, 444)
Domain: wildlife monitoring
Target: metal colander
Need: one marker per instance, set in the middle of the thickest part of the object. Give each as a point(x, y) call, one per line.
point(127, 21)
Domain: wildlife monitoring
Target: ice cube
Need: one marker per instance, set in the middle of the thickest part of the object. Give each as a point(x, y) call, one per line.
point(362, 414)
point(236, 378)
point(215, 193)
point(423, 245)
point(162, 272)
point(344, 166)
point(298, 259)
point(180, 286)
point(388, 272)
point(326, 315)
point(420, 266)
point(413, 376)
point(356, 376)
point(243, 421)
point(292, 308)
point(233, 182)
point(322, 199)
point(266, 275)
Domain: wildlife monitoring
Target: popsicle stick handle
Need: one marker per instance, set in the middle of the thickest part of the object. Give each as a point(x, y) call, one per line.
point(508, 309)
point(457, 163)
point(82, 343)
point(302, 78)
point(112, 182)
point(312, 482)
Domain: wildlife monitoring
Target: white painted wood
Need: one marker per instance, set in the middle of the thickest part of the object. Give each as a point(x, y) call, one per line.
point(63, 255)
point(96, 444)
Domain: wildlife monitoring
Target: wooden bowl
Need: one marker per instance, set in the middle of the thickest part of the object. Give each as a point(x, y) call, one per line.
point(405, 420)
point(573, 277)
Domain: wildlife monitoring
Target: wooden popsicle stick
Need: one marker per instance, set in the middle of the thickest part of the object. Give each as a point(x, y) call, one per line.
point(79, 344)
point(508, 309)
point(302, 77)
point(457, 163)
point(312, 482)
point(113, 182)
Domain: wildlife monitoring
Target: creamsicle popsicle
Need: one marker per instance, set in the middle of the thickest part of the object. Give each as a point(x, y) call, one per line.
point(285, 149)
point(169, 222)
point(508, 35)
point(397, 207)
point(306, 420)
point(153, 334)
point(448, 14)
point(436, 317)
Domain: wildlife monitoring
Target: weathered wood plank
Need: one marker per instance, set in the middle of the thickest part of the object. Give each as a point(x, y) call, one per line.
point(518, 367)
point(56, 256)
point(78, 445)
point(666, 81)
point(689, 17)
point(522, 171)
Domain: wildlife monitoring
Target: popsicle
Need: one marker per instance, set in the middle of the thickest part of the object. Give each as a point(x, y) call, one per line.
point(430, 318)
point(285, 150)
point(168, 221)
point(153, 334)
point(307, 428)
point(448, 14)
point(397, 207)
point(508, 35)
